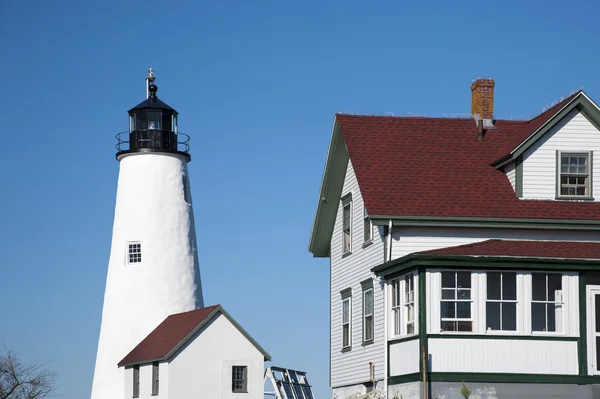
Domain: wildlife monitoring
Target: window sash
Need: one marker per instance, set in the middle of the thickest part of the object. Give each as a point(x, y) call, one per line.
point(134, 252)
point(346, 319)
point(553, 318)
point(136, 381)
point(403, 305)
point(367, 226)
point(239, 377)
point(368, 306)
point(460, 286)
point(347, 228)
point(501, 304)
point(155, 378)
point(574, 172)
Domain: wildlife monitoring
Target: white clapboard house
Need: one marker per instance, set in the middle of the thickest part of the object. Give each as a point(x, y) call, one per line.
point(464, 249)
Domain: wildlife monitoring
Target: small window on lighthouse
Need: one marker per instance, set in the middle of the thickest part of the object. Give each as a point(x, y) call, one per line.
point(134, 252)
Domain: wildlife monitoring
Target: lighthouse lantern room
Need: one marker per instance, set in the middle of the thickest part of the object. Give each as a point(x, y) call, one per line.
point(153, 127)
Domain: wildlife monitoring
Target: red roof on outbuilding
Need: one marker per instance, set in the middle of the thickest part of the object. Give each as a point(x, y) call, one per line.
point(535, 249)
point(408, 166)
point(167, 335)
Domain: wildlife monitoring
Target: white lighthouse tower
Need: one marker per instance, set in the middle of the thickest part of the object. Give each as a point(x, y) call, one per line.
point(153, 269)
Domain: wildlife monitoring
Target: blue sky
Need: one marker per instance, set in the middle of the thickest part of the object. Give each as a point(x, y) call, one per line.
point(257, 85)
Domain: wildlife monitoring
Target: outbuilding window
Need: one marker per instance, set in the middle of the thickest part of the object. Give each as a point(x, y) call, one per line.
point(239, 379)
point(155, 379)
point(136, 381)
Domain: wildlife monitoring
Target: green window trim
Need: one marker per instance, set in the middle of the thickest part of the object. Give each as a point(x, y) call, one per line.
point(346, 296)
point(347, 224)
point(590, 196)
point(519, 177)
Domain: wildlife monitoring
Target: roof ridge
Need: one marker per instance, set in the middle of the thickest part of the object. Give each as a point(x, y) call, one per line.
point(521, 121)
point(555, 103)
point(194, 310)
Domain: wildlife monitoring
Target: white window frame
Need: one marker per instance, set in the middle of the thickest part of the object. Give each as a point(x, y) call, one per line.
point(347, 323)
point(347, 230)
point(399, 306)
point(128, 254)
point(472, 299)
point(502, 301)
point(367, 227)
point(587, 175)
point(568, 326)
point(560, 327)
point(368, 312)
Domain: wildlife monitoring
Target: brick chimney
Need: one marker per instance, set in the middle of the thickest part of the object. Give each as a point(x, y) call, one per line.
point(482, 100)
point(482, 105)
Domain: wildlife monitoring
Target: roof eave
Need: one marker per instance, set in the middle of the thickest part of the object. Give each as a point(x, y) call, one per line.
point(491, 222)
point(480, 261)
point(329, 193)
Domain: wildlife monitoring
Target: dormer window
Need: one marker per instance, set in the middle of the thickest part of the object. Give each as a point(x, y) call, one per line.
point(575, 175)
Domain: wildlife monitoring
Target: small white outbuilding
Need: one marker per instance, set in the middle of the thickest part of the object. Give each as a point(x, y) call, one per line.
point(203, 353)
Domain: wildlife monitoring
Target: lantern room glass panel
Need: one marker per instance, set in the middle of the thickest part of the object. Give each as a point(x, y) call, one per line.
point(154, 120)
point(141, 120)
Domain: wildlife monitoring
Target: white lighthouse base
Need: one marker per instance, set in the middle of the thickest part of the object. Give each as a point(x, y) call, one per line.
point(153, 209)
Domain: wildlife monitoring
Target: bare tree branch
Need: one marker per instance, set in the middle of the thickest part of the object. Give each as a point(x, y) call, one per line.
point(19, 381)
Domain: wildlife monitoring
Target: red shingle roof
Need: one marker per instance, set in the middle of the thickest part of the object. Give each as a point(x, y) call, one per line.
point(535, 249)
point(167, 335)
point(408, 166)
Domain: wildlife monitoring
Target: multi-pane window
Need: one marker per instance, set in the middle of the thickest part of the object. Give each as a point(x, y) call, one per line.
point(397, 306)
point(368, 315)
point(546, 302)
point(134, 252)
point(347, 228)
point(409, 303)
point(367, 226)
point(403, 305)
point(501, 304)
point(155, 380)
point(455, 305)
point(136, 381)
point(239, 379)
point(574, 175)
point(346, 319)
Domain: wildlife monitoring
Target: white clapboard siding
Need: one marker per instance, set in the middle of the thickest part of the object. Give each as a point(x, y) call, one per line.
point(574, 133)
point(510, 173)
point(404, 357)
point(503, 356)
point(407, 240)
point(352, 367)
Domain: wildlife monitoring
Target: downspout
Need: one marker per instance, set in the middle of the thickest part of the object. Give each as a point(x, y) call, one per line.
point(389, 256)
point(386, 313)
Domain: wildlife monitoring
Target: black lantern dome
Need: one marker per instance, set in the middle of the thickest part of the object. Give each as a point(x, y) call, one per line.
point(152, 127)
